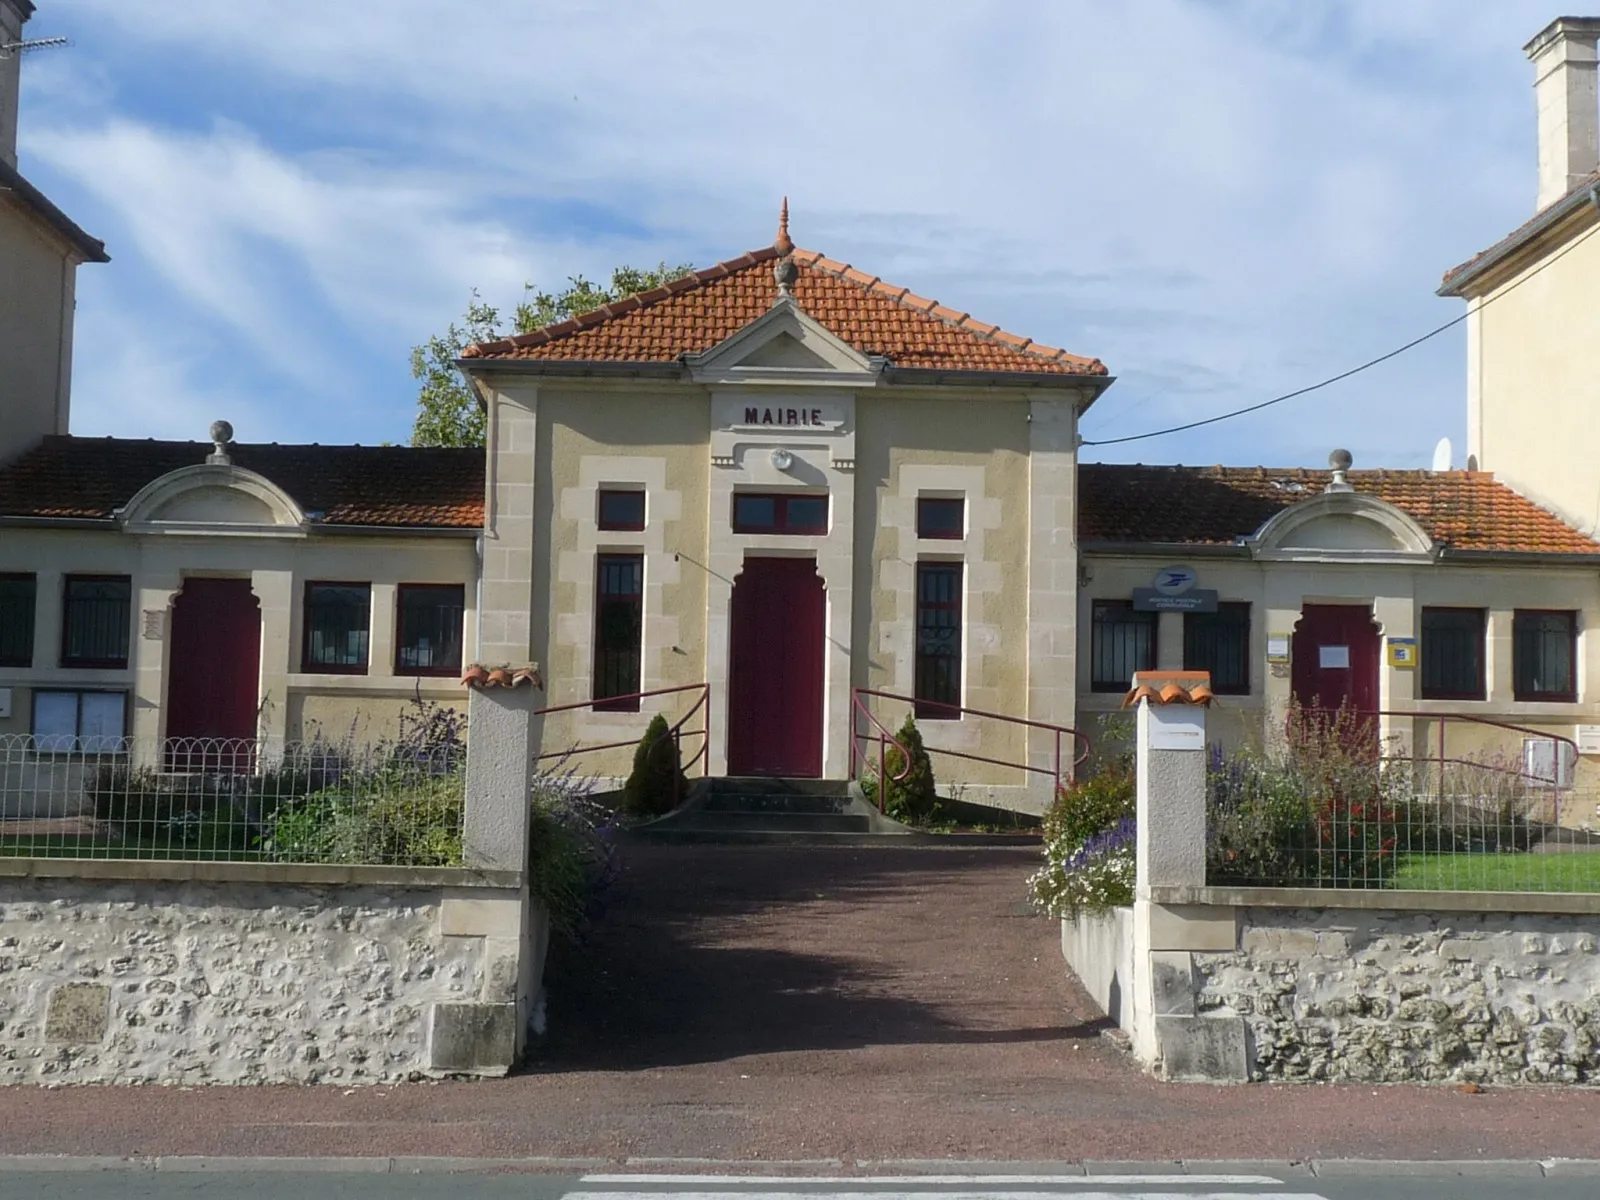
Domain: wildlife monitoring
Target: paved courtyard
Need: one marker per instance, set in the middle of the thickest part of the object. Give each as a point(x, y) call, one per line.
point(768, 1003)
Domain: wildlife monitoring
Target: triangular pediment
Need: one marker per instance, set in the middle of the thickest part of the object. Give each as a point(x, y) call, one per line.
point(784, 345)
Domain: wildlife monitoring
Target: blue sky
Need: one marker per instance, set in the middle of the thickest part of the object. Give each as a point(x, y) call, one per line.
point(1222, 199)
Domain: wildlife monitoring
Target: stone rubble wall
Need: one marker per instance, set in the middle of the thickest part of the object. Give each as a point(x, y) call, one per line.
point(183, 982)
point(1382, 996)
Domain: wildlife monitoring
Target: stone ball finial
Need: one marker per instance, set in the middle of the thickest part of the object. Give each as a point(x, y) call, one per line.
point(1340, 460)
point(221, 432)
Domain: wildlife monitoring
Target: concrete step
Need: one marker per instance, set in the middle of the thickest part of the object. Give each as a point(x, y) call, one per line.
point(683, 835)
point(766, 785)
point(779, 802)
point(778, 822)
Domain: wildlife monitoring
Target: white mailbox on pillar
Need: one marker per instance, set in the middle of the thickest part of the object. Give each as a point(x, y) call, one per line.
point(1171, 766)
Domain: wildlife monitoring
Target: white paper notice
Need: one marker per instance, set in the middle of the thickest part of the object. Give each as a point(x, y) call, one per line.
point(1333, 658)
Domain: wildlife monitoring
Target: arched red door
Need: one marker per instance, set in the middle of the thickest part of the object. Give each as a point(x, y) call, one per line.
point(775, 669)
point(1335, 655)
point(214, 662)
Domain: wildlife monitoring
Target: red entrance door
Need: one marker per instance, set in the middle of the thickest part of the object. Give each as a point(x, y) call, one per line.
point(214, 666)
point(775, 669)
point(1335, 656)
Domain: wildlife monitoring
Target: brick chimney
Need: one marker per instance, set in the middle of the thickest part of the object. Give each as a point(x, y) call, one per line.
point(1563, 57)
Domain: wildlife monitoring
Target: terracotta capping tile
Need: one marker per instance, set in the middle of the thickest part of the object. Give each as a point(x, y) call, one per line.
point(948, 315)
point(981, 328)
point(921, 303)
point(860, 277)
point(1011, 339)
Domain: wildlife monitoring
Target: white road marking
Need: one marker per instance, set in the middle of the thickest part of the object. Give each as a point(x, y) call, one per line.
point(930, 1180)
point(1077, 1188)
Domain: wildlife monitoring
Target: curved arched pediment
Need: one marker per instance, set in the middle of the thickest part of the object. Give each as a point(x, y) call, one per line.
point(1343, 526)
point(213, 498)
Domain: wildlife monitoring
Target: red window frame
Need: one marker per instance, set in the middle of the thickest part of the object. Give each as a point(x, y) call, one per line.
point(102, 664)
point(1517, 663)
point(614, 526)
point(618, 633)
point(310, 667)
point(22, 624)
point(402, 633)
point(937, 677)
point(926, 528)
point(782, 522)
point(1433, 640)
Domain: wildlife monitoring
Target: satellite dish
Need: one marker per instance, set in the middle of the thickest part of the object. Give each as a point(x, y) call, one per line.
point(1441, 455)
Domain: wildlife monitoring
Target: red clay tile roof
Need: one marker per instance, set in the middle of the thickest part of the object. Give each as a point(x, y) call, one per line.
point(1514, 240)
point(389, 486)
point(1462, 510)
point(692, 314)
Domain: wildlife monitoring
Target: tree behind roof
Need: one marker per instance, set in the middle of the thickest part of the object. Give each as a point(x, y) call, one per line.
point(447, 412)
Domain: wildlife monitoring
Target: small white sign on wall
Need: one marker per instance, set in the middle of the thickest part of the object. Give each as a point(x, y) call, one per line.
point(1333, 658)
point(1177, 727)
point(1588, 739)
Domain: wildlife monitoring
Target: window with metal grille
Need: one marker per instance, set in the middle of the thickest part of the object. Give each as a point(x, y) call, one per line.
point(338, 621)
point(941, 517)
point(1544, 651)
point(938, 666)
point(428, 628)
point(17, 604)
point(1219, 642)
point(622, 509)
point(1452, 653)
point(95, 615)
point(779, 512)
point(1121, 642)
point(618, 631)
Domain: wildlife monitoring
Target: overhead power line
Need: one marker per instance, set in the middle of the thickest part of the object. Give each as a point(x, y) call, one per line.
point(1366, 366)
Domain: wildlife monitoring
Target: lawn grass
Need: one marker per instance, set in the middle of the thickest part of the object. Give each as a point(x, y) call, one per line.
point(1577, 871)
point(67, 846)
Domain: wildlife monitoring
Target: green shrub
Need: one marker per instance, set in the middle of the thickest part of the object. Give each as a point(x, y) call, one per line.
point(1086, 807)
point(570, 854)
point(1090, 841)
point(392, 815)
point(657, 783)
point(915, 798)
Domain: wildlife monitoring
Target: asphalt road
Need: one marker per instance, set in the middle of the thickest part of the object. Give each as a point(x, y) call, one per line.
point(1370, 1181)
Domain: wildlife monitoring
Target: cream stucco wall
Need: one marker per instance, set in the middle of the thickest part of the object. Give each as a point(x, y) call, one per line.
point(36, 309)
point(293, 704)
point(1009, 452)
point(1533, 372)
point(1396, 593)
point(975, 447)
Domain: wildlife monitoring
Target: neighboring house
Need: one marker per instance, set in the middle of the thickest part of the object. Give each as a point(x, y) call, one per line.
point(1489, 592)
point(1533, 326)
point(189, 590)
point(40, 249)
point(784, 477)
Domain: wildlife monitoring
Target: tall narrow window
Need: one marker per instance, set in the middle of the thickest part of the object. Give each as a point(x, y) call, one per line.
point(1544, 651)
point(96, 612)
point(1219, 642)
point(938, 678)
point(17, 602)
point(338, 621)
point(428, 628)
point(1452, 654)
point(1121, 642)
point(618, 631)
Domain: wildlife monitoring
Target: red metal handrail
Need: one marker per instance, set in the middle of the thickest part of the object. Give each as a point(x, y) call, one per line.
point(885, 740)
point(675, 731)
point(1081, 739)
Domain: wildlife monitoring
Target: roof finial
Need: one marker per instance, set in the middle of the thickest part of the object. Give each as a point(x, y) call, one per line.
point(782, 243)
point(1339, 462)
point(221, 437)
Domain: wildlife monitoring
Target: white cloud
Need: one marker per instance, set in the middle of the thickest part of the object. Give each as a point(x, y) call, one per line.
point(1220, 199)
